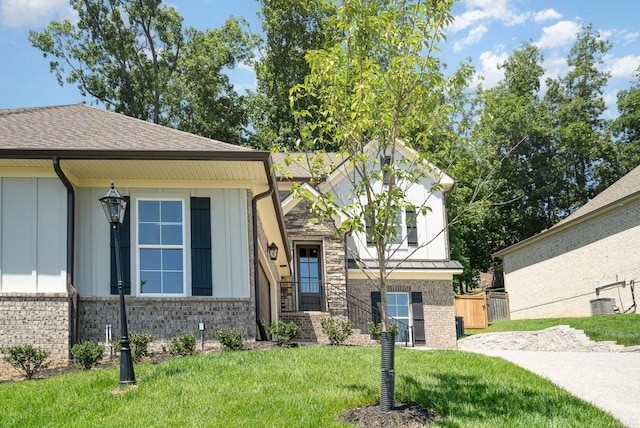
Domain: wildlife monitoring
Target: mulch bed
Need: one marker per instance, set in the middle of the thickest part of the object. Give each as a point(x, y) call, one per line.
point(410, 415)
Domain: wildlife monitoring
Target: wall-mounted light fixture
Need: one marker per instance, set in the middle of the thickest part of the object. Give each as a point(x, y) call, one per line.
point(273, 251)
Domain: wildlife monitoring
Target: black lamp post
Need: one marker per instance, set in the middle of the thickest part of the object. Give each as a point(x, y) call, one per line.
point(115, 207)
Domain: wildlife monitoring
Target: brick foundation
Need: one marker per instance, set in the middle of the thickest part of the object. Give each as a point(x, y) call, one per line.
point(164, 318)
point(40, 320)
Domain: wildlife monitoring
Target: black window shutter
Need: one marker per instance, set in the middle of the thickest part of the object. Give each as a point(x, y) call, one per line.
point(125, 245)
point(201, 271)
point(376, 299)
point(418, 318)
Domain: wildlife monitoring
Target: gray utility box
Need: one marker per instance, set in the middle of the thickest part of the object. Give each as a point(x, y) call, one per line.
point(603, 306)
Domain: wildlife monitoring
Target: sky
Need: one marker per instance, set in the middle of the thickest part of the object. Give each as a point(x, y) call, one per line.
point(485, 31)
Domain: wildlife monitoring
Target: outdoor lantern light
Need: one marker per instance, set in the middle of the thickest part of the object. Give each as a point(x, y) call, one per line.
point(273, 251)
point(115, 207)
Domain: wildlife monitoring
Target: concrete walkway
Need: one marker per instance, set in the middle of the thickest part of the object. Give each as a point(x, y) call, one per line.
point(608, 380)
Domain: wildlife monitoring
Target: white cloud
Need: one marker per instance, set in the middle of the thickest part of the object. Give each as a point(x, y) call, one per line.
point(489, 62)
point(488, 11)
point(622, 67)
point(630, 37)
point(559, 34)
point(473, 37)
point(18, 13)
point(546, 15)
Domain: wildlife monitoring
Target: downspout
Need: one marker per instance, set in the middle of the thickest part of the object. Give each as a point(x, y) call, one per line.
point(71, 289)
point(256, 240)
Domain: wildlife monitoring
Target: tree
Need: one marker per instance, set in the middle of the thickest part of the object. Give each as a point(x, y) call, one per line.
point(518, 125)
point(627, 127)
point(380, 84)
point(136, 58)
point(292, 29)
point(584, 148)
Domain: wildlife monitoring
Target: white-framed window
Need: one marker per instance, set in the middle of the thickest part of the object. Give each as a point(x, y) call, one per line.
point(160, 246)
point(398, 306)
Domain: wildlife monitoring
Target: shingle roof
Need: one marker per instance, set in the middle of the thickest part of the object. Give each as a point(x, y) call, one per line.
point(79, 127)
point(626, 186)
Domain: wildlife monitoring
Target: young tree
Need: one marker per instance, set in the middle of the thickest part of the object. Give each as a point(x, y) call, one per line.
point(378, 90)
point(136, 58)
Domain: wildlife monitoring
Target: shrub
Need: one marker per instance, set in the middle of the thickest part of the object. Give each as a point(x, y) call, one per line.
point(87, 354)
point(139, 343)
point(283, 333)
point(183, 345)
point(376, 329)
point(231, 338)
point(27, 359)
point(336, 329)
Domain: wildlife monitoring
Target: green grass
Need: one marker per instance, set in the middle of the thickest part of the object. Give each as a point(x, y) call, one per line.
point(621, 328)
point(306, 387)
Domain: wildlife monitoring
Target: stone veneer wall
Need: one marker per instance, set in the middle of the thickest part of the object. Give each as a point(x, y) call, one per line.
point(164, 318)
point(437, 301)
point(300, 229)
point(41, 320)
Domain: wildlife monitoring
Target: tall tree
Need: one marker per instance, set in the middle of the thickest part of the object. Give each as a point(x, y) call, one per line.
point(135, 57)
point(518, 124)
point(627, 127)
point(292, 29)
point(380, 83)
point(584, 148)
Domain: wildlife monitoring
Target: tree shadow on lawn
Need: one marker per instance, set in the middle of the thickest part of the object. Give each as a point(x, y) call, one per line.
point(467, 398)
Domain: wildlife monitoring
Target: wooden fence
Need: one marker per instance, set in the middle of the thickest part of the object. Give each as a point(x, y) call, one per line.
point(497, 306)
point(473, 309)
point(480, 309)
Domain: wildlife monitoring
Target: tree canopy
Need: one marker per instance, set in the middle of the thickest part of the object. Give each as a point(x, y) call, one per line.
point(136, 58)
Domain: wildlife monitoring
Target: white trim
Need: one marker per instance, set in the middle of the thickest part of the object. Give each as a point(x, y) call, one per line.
point(135, 247)
point(440, 274)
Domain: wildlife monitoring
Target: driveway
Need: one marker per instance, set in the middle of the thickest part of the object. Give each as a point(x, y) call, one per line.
point(608, 380)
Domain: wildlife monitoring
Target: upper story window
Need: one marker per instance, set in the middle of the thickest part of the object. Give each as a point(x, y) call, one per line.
point(161, 246)
point(385, 162)
point(412, 228)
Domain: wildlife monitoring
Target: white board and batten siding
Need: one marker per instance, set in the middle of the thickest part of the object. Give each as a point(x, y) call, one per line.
point(33, 227)
point(229, 239)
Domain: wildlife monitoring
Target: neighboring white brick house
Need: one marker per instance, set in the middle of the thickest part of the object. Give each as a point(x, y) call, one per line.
point(557, 272)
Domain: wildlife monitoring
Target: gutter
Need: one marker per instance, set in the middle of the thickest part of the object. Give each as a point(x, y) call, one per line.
point(71, 289)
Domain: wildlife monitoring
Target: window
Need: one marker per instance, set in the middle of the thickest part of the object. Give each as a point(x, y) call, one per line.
point(398, 309)
point(161, 247)
point(412, 228)
point(385, 162)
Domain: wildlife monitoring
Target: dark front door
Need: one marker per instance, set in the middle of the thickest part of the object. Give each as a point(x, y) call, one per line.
point(309, 277)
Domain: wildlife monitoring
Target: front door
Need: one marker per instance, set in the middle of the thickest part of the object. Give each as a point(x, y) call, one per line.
point(309, 277)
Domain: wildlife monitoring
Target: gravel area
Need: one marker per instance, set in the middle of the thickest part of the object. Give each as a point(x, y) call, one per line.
point(560, 338)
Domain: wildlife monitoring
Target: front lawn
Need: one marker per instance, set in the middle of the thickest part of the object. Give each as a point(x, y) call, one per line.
point(308, 386)
point(621, 328)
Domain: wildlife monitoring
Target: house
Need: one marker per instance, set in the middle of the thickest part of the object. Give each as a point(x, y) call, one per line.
point(201, 215)
point(586, 264)
point(420, 284)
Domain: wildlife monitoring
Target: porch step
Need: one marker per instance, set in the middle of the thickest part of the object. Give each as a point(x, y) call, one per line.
point(311, 329)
